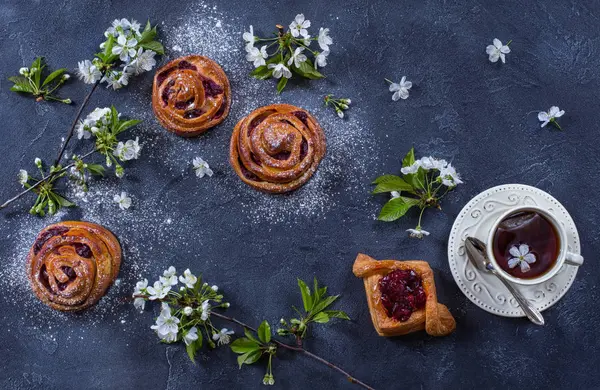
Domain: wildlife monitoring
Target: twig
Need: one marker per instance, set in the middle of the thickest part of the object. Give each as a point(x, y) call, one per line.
point(42, 180)
point(297, 349)
point(72, 129)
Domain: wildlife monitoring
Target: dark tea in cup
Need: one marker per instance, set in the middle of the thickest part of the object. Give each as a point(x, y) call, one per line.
point(526, 244)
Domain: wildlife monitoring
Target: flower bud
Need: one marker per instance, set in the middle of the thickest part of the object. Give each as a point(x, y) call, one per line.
point(24, 71)
point(38, 162)
point(188, 311)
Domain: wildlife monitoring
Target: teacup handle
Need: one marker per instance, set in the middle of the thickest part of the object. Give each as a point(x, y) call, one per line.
point(573, 259)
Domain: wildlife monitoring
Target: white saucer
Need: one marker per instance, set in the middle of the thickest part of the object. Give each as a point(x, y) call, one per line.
point(475, 219)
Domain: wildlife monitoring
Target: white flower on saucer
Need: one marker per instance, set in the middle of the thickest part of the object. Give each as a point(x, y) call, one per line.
point(158, 291)
point(417, 233)
point(190, 336)
point(497, 51)
point(256, 56)
point(201, 167)
point(223, 337)
point(169, 277)
point(400, 89)
point(166, 325)
point(299, 26)
point(280, 70)
point(188, 278)
point(123, 201)
point(522, 257)
point(550, 116)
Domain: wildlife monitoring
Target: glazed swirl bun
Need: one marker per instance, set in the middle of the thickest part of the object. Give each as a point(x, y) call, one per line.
point(71, 264)
point(277, 148)
point(190, 95)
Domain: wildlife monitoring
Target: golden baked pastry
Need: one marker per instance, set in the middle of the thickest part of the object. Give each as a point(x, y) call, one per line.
point(190, 95)
point(433, 317)
point(71, 264)
point(277, 148)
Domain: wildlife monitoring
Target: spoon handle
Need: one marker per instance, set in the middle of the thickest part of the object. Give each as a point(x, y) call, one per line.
point(531, 312)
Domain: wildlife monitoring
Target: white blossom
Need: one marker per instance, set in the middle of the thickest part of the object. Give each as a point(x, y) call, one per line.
point(169, 277)
point(299, 25)
point(166, 325)
point(427, 163)
point(449, 176)
point(129, 150)
point(400, 89)
point(122, 200)
point(215, 288)
point(158, 291)
point(88, 72)
point(324, 39)
point(256, 56)
point(188, 278)
point(140, 288)
point(522, 257)
point(144, 61)
point(497, 50)
point(190, 336)
point(553, 113)
point(417, 233)
point(188, 311)
point(24, 71)
point(297, 57)
point(223, 337)
point(321, 59)
point(23, 177)
point(340, 113)
point(99, 114)
point(201, 167)
point(38, 162)
point(249, 38)
point(205, 310)
point(280, 70)
point(124, 47)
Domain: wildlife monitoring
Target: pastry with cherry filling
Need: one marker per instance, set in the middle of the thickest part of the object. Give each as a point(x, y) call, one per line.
point(277, 148)
point(402, 298)
point(71, 264)
point(190, 95)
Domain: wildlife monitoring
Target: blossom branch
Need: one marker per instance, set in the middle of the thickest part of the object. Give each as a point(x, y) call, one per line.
point(299, 349)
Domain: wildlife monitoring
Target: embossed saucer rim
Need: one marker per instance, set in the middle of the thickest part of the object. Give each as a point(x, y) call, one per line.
point(482, 289)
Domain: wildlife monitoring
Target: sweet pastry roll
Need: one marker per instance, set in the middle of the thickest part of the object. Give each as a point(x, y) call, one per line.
point(190, 95)
point(277, 148)
point(72, 264)
point(402, 298)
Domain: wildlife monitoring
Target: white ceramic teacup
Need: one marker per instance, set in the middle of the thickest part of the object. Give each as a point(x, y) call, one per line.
point(563, 257)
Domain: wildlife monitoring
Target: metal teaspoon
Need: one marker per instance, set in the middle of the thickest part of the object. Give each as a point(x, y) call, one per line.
point(476, 252)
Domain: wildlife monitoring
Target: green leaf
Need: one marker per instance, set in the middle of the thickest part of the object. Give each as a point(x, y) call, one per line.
point(321, 318)
point(95, 169)
point(409, 159)
point(63, 201)
point(115, 119)
point(148, 34)
point(394, 183)
point(264, 332)
point(395, 208)
point(194, 347)
point(417, 180)
point(337, 314)
point(243, 345)
point(37, 75)
point(52, 76)
point(307, 70)
point(250, 336)
point(249, 357)
point(124, 125)
point(154, 46)
point(384, 179)
point(262, 72)
point(21, 84)
point(307, 299)
point(281, 84)
point(318, 292)
point(322, 305)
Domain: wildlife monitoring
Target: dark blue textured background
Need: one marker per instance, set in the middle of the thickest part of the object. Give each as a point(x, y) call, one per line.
point(480, 115)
